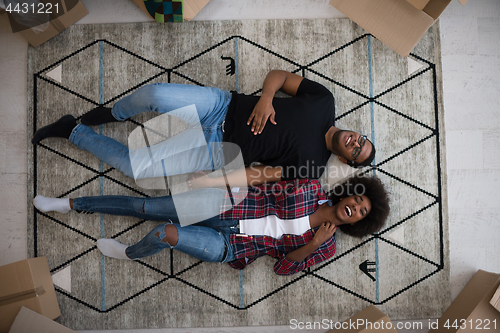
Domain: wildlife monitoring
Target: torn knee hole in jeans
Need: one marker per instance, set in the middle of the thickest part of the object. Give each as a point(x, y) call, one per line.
point(164, 240)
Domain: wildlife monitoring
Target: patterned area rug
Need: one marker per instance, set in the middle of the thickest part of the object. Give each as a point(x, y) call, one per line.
point(396, 101)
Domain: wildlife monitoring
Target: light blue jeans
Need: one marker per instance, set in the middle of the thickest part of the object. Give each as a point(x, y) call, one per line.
point(183, 153)
point(207, 240)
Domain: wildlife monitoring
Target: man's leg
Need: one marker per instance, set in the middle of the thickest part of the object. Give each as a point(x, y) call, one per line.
point(211, 104)
point(62, 128)
point(170, 157)
point(104, 148)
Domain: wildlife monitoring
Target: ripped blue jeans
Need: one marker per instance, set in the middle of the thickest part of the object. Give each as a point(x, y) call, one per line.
point(204, 241)
point(207, 239)
point(197, 148)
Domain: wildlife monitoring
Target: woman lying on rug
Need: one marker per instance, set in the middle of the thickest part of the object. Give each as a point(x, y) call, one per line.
point(293, 221)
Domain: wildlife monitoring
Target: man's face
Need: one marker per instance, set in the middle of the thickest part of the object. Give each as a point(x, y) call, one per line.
point(345, 144)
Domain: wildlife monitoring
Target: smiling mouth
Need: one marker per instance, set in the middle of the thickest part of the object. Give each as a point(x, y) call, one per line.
point(348, 211)
point(348, 140)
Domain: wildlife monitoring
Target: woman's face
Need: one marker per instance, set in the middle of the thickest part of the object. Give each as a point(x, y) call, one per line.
point(352, 209)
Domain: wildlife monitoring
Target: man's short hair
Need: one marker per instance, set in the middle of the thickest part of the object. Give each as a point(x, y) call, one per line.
point(367, 161)
point(374, 189)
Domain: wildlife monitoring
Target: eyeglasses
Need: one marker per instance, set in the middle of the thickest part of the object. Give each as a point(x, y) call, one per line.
point(361, 142)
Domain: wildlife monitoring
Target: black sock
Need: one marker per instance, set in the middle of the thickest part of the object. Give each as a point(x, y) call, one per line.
point(99, 115)
point(59, 129)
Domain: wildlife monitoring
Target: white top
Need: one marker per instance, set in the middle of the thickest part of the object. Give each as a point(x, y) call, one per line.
point(274, 227)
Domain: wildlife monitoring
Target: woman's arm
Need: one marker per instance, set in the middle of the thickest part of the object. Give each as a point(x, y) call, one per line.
point(324, 233)
point(253, 176)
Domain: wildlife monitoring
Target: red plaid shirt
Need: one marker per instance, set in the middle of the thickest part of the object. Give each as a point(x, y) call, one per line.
point(286, 200)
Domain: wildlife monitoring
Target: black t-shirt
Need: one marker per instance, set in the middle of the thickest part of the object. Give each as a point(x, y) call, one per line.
point(297, 143)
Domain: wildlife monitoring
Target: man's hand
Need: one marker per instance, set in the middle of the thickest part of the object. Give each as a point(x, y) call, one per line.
point(324, 232)
point(275, 80)
point(262, 111)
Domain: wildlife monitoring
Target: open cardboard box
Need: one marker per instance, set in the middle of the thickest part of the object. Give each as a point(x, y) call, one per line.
point(30, 321)
point(189, 8)
point(472, 310)
point(26, 283)
point(368, 320)
point(399, 24)
point(70, 11)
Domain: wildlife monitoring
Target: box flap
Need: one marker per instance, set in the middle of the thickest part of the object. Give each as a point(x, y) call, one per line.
point(479, 290)
point(495, 300)
point(30, 321)
point(41, 276)
point(21, 296)
point(192, 7)
point(435, 7)
point(396, 23)
point(419, 4)
point(37, 36)
point(463, 2)
point(484, 318)
point(16, 278)
point(368, 320)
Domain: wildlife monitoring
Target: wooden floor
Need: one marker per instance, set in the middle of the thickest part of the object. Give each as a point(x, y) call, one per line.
point(471, 70)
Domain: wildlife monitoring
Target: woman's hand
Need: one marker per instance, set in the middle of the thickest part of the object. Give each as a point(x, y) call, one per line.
point(199, 180)
point(262, 111)
point(324, 232)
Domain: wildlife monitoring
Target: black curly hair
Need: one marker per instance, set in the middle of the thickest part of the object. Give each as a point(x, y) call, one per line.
point(374, 189)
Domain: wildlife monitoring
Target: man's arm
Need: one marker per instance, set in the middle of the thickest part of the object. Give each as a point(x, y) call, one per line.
point(276, 80)
point(253, 176)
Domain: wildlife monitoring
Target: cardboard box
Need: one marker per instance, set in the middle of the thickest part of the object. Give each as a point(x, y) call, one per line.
point(471, 311)
point(29, 321)
point(26, 283)
point(369, 320)
point(495, 300)
point(189, 8)
point(399, 24)
point(72, 11)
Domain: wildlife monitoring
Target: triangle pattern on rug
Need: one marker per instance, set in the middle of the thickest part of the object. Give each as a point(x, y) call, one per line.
point(413, 100)
point(56, 74)
point(346, 268)
point(413, 66)
point(400, 210)
point(82, 72)
point(398, 235)
point(117, 83)
point(348, 67)
point(346, 100)
point(62, 279)
point(409, 267)
point(419, 234)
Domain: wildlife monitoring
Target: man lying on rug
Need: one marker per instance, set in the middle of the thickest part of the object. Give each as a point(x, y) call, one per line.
point(297, 143)
point(292, 221)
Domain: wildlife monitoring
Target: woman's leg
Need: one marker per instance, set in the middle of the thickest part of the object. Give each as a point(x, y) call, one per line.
point(184, 208)
point(203, 243)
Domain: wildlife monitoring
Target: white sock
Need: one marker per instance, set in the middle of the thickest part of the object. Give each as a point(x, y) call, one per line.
point(45, 204)
point(112, 248)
